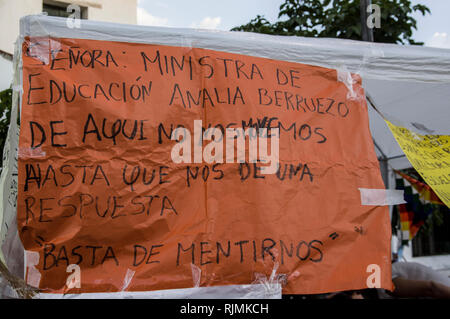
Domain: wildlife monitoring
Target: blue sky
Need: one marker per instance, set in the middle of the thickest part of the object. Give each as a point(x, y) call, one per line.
point(433, 29)
point(211, 14)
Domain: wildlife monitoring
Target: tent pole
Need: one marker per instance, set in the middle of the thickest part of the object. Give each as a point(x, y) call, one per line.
point(383, 159)
point(384, 168)
point(366, 32)
point(384, 171)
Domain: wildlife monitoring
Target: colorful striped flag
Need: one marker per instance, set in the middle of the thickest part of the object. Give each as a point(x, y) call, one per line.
point(425, 191)
point(413, 214)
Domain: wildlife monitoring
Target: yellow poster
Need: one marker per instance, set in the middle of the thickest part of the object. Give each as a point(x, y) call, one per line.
point(430, 156)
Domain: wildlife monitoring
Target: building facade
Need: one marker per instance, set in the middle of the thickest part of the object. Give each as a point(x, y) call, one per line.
point(118, 11)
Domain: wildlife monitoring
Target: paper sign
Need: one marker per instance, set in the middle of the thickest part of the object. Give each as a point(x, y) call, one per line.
point(429, 155)
point(99, 186)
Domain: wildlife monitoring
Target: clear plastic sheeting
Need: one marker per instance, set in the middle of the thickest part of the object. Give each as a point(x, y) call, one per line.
point(12, 283)
point(128, 277)
point(14, 287)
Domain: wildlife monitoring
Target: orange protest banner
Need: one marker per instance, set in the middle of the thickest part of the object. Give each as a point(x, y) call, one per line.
point(118, 171)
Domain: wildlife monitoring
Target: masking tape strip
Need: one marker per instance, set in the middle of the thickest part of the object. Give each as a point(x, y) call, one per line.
point(381, 197)
point(252, 291)
point(128, 277)
point(274, 279)
point(196, 275)
point(28, 152)
point(261, 288)
point(33, 276)
point(344, 76)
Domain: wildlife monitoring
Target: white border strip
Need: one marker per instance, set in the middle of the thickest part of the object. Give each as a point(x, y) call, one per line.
point(253, 291)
